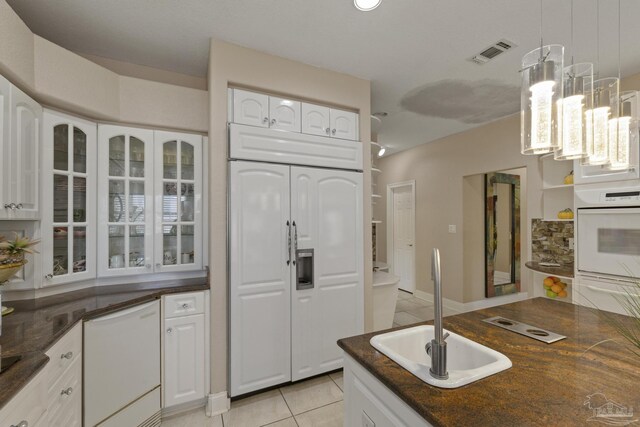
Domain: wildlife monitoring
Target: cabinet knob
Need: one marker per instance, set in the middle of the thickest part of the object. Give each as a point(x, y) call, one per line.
point(68, 355)
point(22, 423)
point(273, 122)
point(169, 330)
point(66, 391)
point(11, 206)
point(19, 206)
point(158, 265)
point(333, 131)
point(265, 120)
point(185, 306)
point(48, 276)
point(327, 130)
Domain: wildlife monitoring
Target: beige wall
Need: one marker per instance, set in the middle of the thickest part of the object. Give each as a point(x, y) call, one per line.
point(59, 78)
point(439, 169)
point(147, 73)
point(235, 65)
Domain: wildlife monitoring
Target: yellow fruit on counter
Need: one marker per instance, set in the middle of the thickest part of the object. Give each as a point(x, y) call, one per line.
point(569, 179)
point(562, 294)
point(564, 285)
point(565, 214)
point(548, 283)
point(556, 288)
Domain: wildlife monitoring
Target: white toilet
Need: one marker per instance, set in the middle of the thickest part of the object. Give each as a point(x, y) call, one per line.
point(385, 296)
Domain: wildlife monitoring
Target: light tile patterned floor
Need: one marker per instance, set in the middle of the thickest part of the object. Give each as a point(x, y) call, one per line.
point(313, 403)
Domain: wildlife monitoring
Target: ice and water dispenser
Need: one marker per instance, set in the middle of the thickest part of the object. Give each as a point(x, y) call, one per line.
point(304, 269)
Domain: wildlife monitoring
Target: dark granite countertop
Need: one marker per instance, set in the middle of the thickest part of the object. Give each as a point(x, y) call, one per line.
point(548, 383)
point(563, 270)
point(36, 324)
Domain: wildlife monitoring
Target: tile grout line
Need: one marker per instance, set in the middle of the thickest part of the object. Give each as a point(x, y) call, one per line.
point(287, 403)
point(319, 407)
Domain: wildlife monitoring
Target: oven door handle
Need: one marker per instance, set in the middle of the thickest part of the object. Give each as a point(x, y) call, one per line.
point(606, 291)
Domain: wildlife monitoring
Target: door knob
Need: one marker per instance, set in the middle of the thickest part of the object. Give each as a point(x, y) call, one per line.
point(333, 131)
point(327, 130)
point(19, 206)
point(66, 391)
point(169, 330)
point(185, 306)
point(273, 122)
point(265, 120)
point(67, 355)
point(48, 276)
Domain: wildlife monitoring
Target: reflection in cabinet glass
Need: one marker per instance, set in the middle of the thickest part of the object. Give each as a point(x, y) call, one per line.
point(179, 219)
point(125, 170)
point(69, 220)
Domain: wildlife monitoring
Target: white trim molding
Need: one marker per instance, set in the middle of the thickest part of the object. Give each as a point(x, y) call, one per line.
point(463, 307)
point(218, 403)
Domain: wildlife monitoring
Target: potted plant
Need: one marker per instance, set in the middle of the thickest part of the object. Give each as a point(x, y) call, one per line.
point(12, 254)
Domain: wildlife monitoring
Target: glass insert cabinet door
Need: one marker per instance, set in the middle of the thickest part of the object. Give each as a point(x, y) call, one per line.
point(178, 211)
point(125, 200)
point(68, 197)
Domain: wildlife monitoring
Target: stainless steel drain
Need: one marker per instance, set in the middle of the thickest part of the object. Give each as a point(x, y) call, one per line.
point(524, 329)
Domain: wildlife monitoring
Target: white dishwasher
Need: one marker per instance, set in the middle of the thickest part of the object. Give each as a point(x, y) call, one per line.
point(122, 368)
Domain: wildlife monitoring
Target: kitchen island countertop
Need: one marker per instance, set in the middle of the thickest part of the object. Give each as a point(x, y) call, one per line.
point(549, 384)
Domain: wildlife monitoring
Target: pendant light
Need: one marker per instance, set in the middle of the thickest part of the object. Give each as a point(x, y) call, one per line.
point(542, 88)
point(605, 108)
point(620, 128)
point(578, 81)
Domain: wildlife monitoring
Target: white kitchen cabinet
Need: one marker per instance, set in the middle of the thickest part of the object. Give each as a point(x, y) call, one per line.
point(184, 359)
point(344, 124)
point(21, 154)
point(260, 276)
point(28, 407)
point(250, 108)
point(284, 114)
point(178, 196)
point(125, 200)
point(316, 119)
point(5, 147)
point(319, 120)
point(69, 198)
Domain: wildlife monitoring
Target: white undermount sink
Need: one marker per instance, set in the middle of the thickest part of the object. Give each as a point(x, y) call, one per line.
point(467, 361)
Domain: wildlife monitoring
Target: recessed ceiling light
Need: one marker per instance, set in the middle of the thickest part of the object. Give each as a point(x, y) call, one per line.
point(366, 5)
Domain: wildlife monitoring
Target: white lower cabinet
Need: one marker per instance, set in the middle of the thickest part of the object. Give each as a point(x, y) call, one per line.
point(369, 403)
point(185, 348)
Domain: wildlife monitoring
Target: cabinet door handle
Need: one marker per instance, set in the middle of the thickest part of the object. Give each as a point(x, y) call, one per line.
point(22, 423)
point(333, 131)
point(295, 242)
point(169, 330)
point(66, 392)
point(265, 120)
point(289, 243)
point(273, 122)
point(327, 130)
point(68, 355)
point(48, 276)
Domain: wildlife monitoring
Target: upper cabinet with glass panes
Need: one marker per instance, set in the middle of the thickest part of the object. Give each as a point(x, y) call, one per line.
point(150, 201)
point(69, 179)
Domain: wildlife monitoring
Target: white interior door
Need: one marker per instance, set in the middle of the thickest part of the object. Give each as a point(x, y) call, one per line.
point(260, 276)
point(401, 204)
point(326, 206)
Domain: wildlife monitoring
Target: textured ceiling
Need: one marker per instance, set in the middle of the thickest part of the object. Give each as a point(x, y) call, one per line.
point(414, 51)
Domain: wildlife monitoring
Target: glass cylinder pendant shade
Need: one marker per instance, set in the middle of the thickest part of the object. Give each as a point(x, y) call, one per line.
point(578, 81)
point(542, 88)
point(605, 108)
point(621, 131)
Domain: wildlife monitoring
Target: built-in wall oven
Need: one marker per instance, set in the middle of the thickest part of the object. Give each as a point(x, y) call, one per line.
point(608, 245)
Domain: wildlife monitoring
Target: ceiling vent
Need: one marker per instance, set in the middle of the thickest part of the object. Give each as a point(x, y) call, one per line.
point(492, 51)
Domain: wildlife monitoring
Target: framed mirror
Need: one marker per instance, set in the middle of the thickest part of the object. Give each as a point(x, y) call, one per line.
point(502, 234)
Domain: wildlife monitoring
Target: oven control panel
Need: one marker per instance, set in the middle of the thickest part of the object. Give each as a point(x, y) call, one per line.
point(620, 196)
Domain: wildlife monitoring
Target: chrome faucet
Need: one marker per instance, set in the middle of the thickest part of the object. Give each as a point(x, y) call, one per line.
point(437, 348)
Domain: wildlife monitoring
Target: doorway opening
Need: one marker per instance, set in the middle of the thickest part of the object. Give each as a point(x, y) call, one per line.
point(401, 233)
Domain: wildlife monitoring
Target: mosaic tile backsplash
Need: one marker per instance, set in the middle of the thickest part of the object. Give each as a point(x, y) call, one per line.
point(550, 241)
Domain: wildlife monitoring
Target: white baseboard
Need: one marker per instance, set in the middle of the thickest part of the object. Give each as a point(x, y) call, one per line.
point(461, 307)
point(184, 407)
point(218, 403)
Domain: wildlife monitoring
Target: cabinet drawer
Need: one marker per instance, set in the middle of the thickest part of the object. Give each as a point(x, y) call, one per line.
point(183, 304)
point(65, 395)
point(63, 353)
point(28, 405)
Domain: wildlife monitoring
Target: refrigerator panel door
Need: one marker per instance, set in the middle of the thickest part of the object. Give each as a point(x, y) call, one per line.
point(260, 272)
point(121, 360)
point(326, 206)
